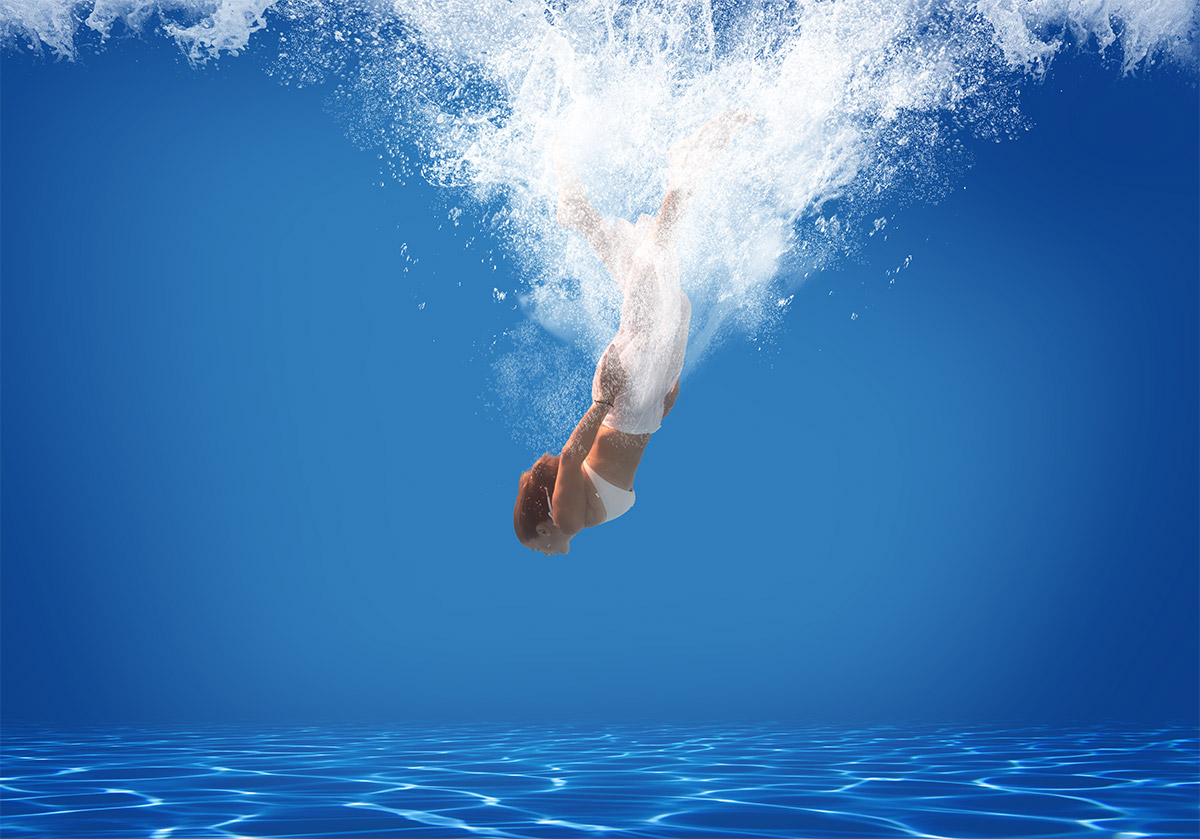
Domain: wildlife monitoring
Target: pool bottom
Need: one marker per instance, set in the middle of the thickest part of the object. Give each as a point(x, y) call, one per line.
point(550, 781)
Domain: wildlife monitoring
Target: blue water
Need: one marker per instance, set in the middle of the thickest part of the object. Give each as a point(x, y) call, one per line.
point(765, 780)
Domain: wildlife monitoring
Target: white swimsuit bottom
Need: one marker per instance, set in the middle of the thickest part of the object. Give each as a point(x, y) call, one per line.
point(616, 501)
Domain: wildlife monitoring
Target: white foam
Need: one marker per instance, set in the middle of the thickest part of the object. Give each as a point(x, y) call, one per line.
point(202, 28)
point(1031, 31)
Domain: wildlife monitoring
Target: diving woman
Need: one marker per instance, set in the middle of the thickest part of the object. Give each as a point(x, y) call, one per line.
point(636, 381)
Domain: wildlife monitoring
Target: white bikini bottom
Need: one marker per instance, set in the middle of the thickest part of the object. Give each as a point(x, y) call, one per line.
point(616, 501)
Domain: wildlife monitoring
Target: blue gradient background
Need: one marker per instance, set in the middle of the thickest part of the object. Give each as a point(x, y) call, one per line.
point(246, 477)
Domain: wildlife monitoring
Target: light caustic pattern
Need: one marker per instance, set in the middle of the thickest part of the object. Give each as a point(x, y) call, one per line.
point(863, 105)
point(556, 782)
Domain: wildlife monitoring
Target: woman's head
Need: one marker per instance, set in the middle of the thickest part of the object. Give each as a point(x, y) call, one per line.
point(533, 515)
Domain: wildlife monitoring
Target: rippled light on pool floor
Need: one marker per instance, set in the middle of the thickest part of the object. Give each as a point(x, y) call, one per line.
point(612, 781)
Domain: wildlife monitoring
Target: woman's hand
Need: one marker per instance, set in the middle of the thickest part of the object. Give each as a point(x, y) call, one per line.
point(572, 197)
point(669, 399)
point(612, 380)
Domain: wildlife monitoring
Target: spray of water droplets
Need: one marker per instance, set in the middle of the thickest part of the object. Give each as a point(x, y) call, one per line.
point(863, 105)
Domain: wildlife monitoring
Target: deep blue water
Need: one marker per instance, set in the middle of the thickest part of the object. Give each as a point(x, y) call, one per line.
point(763, 780)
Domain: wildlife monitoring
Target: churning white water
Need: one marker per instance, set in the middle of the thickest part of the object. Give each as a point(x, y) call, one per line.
point(860, 102)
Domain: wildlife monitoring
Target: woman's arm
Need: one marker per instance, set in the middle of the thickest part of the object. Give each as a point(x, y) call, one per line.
point(576, 211)
point(570, 504)
point(691, 161)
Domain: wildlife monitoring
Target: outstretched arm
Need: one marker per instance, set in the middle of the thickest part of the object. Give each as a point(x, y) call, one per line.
point(575, 210)
point(692, 160)
point(569, 502)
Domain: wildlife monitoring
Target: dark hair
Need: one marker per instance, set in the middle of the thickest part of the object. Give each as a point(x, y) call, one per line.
point(532, 507)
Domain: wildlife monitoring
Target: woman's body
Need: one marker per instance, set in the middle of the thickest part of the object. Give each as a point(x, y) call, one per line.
point(637, 380)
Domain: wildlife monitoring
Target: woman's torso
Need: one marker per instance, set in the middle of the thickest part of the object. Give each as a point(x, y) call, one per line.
point(615, 457)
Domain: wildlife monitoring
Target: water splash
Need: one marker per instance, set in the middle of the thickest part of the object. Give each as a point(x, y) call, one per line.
point(863, 105)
